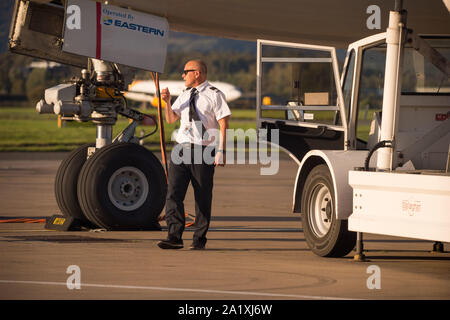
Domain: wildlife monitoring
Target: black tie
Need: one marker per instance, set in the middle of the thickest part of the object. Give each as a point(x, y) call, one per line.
point(193, 115)
point(192, 112)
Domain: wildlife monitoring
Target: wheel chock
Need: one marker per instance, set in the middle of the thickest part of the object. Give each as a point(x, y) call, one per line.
point(62, 223)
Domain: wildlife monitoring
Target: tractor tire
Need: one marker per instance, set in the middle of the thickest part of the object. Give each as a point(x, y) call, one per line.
point(325, 235)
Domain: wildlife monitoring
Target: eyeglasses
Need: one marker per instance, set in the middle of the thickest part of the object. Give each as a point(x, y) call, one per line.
point(185, 72)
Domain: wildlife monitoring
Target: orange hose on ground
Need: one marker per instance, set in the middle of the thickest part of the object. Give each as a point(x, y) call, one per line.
point(23, 220)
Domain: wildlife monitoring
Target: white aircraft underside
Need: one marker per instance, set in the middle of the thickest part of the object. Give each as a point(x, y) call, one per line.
point(325, 22)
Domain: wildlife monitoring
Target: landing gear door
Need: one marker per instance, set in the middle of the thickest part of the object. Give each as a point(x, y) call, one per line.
point(37, 31)
point(299, 93)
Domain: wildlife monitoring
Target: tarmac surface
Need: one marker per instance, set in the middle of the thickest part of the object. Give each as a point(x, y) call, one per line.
point(255, 251)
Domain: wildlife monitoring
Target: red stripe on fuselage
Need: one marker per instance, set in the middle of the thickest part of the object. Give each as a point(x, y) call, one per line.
point(98, 49)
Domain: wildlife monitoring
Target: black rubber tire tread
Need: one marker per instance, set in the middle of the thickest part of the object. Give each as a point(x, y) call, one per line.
point(65, 186)
point(93, 187)
point(338, 242)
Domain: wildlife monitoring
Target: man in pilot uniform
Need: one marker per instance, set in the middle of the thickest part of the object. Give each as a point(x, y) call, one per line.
point(201, 107)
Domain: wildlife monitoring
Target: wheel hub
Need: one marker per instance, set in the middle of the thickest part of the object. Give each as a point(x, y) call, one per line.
point(320, 210)
point(128, 188)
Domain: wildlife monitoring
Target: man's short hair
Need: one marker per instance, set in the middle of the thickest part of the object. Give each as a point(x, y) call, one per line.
point(202, 66)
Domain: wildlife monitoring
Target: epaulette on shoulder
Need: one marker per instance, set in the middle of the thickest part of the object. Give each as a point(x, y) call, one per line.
point(216, 90)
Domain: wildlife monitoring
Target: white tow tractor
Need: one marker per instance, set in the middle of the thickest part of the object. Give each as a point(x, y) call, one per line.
point(385, 175)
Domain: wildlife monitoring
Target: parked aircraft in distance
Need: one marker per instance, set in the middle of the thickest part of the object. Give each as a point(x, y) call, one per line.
point(145, 91)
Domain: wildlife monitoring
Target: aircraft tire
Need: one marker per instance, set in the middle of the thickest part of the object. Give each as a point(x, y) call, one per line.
point(325, 235)
point(123, 186)
point(65, 186)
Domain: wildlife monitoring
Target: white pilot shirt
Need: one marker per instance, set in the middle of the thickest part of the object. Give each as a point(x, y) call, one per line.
point(211, 106)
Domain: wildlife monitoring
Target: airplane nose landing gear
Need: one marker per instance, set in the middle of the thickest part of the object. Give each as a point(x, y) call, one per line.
point(113, 184)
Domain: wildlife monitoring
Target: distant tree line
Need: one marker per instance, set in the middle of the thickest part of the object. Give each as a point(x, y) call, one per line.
point(238, 68)
point(18, 79)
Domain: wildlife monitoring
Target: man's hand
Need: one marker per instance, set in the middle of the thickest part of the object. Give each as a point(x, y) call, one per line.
point(220, 159)
point(165, 95)
point(171, 116)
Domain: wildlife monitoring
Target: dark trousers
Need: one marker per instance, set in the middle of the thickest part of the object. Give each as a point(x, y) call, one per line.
point(180, 175)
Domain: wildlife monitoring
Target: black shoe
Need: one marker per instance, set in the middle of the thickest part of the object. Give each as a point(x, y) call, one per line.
point(170, 244)
point(197, 246)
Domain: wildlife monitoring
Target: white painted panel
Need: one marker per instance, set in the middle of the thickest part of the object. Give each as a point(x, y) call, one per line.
point(400, 204)
point(118, 35)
